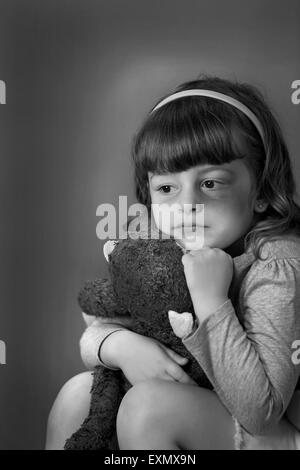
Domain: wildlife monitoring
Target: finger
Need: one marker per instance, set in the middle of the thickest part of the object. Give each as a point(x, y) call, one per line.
point(168, 377)
point(185, 258)
point(201, 253)
point(185, 379)
point(196, 252)
point(175, 356)
point(179, 375)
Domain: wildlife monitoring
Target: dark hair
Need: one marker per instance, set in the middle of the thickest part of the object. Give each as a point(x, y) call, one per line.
point(197, 130)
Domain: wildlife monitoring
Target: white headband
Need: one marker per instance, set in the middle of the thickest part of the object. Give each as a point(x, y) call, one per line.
point(219, 96)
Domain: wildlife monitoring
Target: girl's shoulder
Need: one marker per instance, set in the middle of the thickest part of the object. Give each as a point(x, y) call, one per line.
point(279, 260)
point(282, 247)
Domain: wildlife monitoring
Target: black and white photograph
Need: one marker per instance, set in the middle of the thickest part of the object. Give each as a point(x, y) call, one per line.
point(150, 236)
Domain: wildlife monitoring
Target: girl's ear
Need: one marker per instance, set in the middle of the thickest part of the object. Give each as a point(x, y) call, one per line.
point(260, 206)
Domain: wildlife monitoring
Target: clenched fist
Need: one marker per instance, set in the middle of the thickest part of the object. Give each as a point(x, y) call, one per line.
point(208, 274)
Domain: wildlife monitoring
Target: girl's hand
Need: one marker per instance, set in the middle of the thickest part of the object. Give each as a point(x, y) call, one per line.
point(208, 274)
point(143, 358)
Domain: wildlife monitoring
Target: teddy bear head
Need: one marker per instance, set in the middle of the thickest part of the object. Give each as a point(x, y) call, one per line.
point(148, 279)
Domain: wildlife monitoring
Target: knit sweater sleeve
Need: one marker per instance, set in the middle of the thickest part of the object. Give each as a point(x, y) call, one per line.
point(250, 363)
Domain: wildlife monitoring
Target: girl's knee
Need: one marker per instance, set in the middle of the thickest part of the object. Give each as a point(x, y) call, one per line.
point(140, 406)
point(73, 395)
point(70, 408)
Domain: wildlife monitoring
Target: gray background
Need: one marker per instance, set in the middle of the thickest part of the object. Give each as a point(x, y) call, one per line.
point(80, 77)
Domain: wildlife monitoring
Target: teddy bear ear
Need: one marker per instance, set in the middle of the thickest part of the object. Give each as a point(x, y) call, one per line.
point(181, 323)
point(108, 247)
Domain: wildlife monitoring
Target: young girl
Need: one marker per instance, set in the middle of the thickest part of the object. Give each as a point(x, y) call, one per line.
point(211, 142)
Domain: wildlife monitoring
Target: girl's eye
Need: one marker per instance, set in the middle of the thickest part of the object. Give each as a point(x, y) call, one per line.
point(210, 184)
point(166, 189)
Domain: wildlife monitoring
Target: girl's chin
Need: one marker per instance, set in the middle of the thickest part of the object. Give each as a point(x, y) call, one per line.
point(190, 239)
point(190, 244)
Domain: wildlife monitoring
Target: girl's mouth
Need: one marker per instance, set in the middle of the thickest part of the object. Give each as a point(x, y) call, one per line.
point(193, 227)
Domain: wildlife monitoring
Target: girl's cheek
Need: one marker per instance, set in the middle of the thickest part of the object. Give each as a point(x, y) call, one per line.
point(167, 216)
point(241, 204)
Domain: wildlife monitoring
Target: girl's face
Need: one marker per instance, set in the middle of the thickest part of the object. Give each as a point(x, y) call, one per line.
point(226, 193)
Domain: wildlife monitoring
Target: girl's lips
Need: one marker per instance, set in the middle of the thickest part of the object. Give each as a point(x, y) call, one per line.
point(192, 227)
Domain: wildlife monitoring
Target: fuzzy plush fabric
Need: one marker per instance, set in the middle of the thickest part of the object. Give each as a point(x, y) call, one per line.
point(98, 431)
point(146, 280)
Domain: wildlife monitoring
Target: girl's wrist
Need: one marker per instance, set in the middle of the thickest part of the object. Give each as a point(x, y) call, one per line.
point(204, 308)
point(110, 351)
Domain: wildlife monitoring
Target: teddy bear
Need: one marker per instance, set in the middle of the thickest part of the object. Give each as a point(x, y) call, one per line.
point(146, 281)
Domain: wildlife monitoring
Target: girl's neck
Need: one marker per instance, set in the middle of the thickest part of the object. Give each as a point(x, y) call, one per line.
point(237, 248)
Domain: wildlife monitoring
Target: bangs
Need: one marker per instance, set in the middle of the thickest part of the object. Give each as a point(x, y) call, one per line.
point(182, 134)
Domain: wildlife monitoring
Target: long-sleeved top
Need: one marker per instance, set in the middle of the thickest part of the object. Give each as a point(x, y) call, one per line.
point(246, 346)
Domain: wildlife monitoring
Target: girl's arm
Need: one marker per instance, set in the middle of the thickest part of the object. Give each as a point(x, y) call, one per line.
point(96, 332)
point(251, 366)
point(139, 357)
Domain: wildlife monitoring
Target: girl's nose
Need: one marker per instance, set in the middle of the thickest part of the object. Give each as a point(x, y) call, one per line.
point(189, 199)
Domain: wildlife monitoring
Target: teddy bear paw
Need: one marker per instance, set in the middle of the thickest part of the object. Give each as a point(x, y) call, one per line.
point(181, 323)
